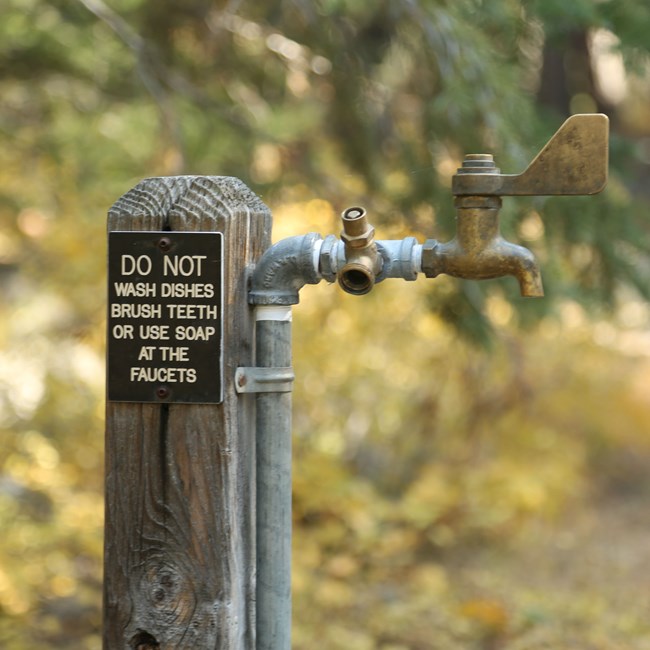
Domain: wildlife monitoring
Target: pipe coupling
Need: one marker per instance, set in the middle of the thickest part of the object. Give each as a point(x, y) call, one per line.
point(432, 260)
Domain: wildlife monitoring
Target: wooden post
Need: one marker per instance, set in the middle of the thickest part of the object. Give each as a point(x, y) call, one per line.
point(179, 531)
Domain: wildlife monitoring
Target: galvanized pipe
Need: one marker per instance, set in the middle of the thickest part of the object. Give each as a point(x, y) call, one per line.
point(283, 270)
point(273, 422)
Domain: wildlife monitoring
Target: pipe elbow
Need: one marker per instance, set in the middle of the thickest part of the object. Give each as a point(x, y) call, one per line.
point(284, 269)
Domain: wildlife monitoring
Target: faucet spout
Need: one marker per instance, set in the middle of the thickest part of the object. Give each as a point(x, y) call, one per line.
point(479, 252)
point(506, 258)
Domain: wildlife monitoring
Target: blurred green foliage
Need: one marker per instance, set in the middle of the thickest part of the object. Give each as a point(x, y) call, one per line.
point(437, 424)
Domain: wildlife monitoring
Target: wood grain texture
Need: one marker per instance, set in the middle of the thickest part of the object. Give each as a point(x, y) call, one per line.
point(179, 548)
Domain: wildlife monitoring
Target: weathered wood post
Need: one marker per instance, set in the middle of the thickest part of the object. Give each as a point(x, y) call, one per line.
point(179, 532)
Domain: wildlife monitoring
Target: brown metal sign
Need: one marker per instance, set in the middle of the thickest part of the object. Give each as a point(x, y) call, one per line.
point(165, 301)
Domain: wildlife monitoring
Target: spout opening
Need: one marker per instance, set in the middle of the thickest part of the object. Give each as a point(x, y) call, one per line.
point(357, 232)
point(356, 279)
point(352, 214)
point(531, 285)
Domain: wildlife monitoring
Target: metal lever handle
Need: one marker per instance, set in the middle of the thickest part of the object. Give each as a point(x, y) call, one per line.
point(574, 161)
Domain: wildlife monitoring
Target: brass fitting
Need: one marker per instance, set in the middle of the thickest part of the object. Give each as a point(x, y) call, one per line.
point(362, 261)
point(478, 252)
point(573, 161)
point(357, 232)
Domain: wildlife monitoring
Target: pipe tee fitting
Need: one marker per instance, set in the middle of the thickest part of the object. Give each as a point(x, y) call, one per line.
point(363, 261)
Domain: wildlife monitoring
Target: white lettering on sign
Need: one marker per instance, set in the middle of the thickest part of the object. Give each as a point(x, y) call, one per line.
point(122, 332)
point(185, 265)
point(164, 375)
point(192, 311)
point(179, 290)
point(193, 333)
point(165, 310)
point(174, 354)
point(146, 353)
point(153, 332)
point(135, 289)
point(141, 264)
point(128, 310)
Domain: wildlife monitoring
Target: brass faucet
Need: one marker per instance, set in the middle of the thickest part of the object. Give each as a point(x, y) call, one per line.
point(574, 161)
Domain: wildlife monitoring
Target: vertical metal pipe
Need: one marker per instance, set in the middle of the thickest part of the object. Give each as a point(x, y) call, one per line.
point(280, 274)
point(273, 418)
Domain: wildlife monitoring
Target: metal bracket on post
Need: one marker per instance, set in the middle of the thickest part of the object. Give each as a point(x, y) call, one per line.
point(264, 380)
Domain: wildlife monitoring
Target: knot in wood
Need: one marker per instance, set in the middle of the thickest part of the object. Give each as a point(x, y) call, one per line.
point(144, 641)
point(168, 591)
